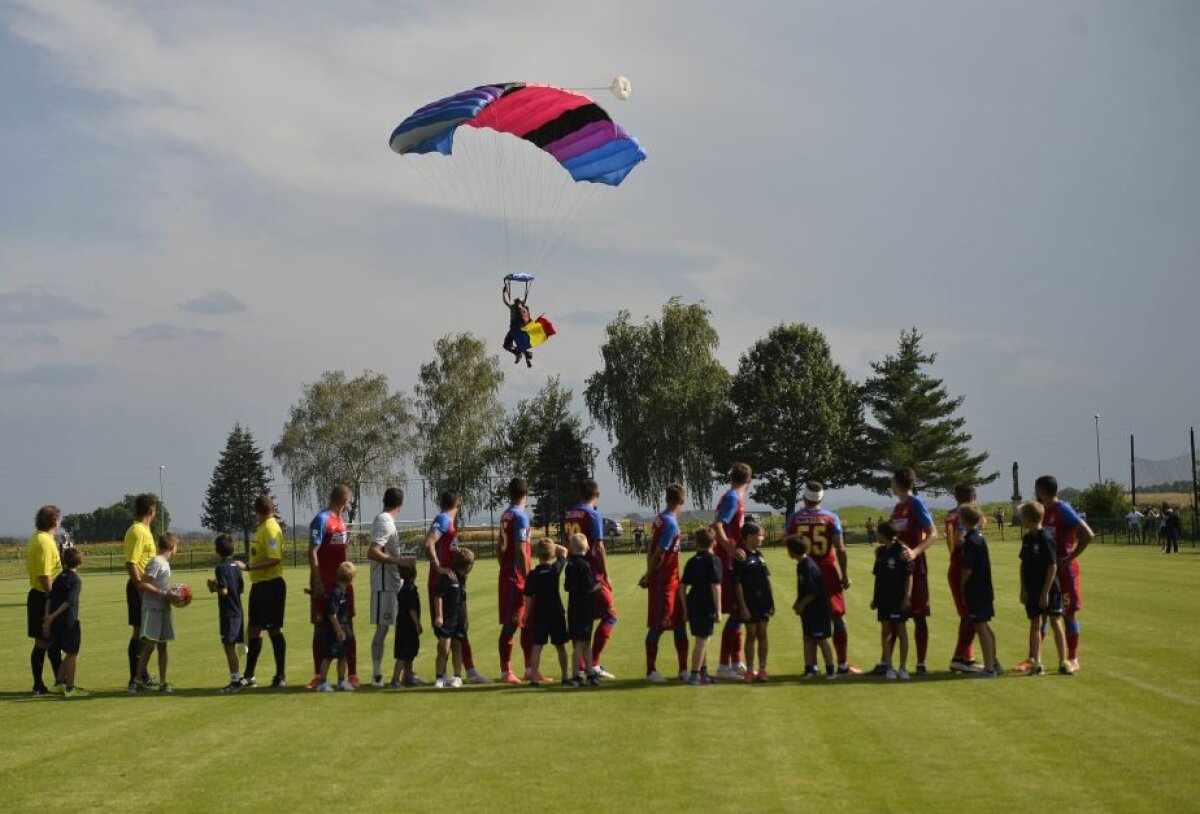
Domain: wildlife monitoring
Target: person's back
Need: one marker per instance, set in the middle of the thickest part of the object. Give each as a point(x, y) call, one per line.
point(229, 577)
point(977, 560)
point(891, 573)
point(700, 573)
point(579, 581)
point(65, 591)
point(542, 585)
point(811, 582)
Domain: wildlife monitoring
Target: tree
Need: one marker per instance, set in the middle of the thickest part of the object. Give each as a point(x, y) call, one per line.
point(1106, 499)
point(526, 429)
point(658, 398)
point(793, 416)
point(109, 523)
point(239, 477)
point(459, 417)
point(345, 431)
point(563, 461)
point(915, 425)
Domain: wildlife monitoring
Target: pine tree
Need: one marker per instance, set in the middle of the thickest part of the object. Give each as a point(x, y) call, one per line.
point(915, 424)
point(239, 477)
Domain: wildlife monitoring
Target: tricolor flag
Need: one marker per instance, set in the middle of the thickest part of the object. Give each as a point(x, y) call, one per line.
point(538, 331)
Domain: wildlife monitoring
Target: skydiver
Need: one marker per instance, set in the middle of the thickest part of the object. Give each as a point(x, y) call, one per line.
point(518, 318)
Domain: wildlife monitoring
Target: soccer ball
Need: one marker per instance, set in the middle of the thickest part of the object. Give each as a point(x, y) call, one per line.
point(180, 595)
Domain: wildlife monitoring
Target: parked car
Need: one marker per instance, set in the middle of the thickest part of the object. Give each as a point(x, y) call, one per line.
point(612, 528)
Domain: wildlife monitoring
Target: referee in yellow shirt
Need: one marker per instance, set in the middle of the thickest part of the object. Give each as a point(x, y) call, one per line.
point(268, 592)
point(140, 548)
point(43, 565)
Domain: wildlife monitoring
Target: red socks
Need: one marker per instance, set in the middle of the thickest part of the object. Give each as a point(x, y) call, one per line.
point(966, 636)
point(468, 659)
point(603, 633)
point(526, 645)
point(681, 650)
point(506, 651)
point(922, 637)
point(840, 642)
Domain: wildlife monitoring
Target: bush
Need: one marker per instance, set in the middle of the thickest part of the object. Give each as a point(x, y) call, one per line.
point(1105, 499)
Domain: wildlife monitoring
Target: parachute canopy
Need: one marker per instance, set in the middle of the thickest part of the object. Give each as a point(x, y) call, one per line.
point(518, 277)
point(568, 125)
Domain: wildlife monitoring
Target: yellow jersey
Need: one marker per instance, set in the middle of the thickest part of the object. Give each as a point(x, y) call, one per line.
point(139, 545)
point(267, 545)
point(41, 559)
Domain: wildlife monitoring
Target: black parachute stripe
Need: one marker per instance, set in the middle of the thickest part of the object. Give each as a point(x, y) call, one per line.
point(566, 123)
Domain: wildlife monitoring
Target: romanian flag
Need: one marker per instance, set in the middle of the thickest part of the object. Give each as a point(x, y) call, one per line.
point(537, 332)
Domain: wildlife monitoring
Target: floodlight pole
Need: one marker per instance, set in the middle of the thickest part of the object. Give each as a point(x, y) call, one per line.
point(1132, 473)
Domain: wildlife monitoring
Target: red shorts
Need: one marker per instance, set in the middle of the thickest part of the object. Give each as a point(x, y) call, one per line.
point(512, 600)
point(954, 577)
point(1072, 588)
point(833, 587)
point(665, 603)
point(920, 594)
point(604, 601)
point(318, 604)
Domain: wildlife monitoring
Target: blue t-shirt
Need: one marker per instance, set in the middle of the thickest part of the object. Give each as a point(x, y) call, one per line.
point(229, 577)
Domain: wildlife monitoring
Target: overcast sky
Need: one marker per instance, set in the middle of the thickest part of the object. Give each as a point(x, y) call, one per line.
point(200, 213)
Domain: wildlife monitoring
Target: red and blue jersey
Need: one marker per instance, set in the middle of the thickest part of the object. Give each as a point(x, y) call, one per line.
point(731, 511)
point(910, 517)
point(584, 519)
point(327, 533)
point(954, 531)
point(666, 540)
point(514, 545)
point(820, 527)
point(447, 539)
point(1061, 520)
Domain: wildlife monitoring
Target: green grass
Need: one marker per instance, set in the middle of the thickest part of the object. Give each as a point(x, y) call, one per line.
point(1123, 735)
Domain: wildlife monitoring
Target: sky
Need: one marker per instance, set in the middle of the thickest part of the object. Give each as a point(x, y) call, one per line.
point(200, 214)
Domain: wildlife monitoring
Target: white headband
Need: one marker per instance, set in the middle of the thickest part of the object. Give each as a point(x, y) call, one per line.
point(813, 497)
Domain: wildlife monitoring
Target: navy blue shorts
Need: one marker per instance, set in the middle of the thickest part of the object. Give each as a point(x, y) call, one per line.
point(458, 631)
point(553, 630)
point(68, 639)
point(332, 648)
point(406, 646)
point(891, 616)
point(231, 630)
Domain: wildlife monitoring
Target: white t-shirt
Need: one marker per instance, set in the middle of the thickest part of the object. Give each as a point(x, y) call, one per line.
point(385, 576)
point(159, 572)
point(1134, 518)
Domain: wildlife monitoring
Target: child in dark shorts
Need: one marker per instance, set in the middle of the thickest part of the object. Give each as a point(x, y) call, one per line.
point(228, 587)
point(450, 618)
point(408, 629)
point(756, 603)
point(335, 627)
point(1040, 592)
point(702, 579)
point(813, 607)
point(977, 588)
point(892, 598)
point(581, 587)
point(544, 609)
point(61, 626)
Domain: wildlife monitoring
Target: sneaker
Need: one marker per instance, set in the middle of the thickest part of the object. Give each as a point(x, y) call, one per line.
point(377, 682)
point(251, 681)
point(456, 682)
point(315, 684)
point(740, 668)
point(1024, 666)
point(577, 680)
point(58, 689)
point(346, 686)
point(726, 673)
point(416, 681)
point(922, 670)
point(605, 674)
point(542, 678)
point(848, 670)
point(986, 674)
point(880, 669)
point(707, 680)
point(395, 684)
point(232, 688)
point(277, 683)
point(510, 678)
point(810, 673)
point(1074, 665)
point(1065, 669)
point(748, 677)
point(656, 677)
point(903, 675)
point(75, 692)
point(440, 683)
point(476, 677)
point(1036, 670)
point(166, 689)
point(998, 669)
point(831, 676)
point(133, 688)
point(323, 687)
point(761, 677)
point(892, 675)
point(148, 681)
point(353, 680)
point(958, 665)
point(684, 675)
point(694, 680)
point(40, 689)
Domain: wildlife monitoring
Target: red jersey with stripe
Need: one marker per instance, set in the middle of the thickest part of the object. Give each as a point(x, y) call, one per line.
point(327, 533)
point(909, 518)
point(666, 540)
point(447, 541)
point(514, 545)
point(955, 532)
point(1061, 520)
point(731, 512)
point(819, 527)
point(584, 519)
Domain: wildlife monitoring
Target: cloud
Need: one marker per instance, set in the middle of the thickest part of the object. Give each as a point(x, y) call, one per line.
point(214, 301)
point(50, 374)
point(34, 336)
point(161, 332)
point(30, 307)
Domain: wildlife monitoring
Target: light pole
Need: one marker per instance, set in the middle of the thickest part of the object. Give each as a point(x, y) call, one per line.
point(1099, 477)
point(162, 520)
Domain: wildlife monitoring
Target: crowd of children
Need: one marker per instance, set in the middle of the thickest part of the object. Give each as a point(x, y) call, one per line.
point(687, 599)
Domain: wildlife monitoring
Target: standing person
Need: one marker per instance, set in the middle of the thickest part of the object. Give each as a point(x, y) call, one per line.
point(914, 527)
point(385, 559)
point(583, 519)
point(665, 609)
point(335, 632)
point(1072, 535)
point(268, 593)
point(514, 565)
point(892, 598)
point(580, 584)
point(813, 607)
point(43, 565)
point(544, 610)
point(408, 630)
point(963, 660)
point(977, 587)
point(727, 528)
point(870, 527)
point(441, 548)
point(139, 550)
point(1134, 522)
point(1173, 530)
point(827, 547)
point(228, 586)
point(62, 624)
point(450, 620)
point(1040, 593)
point(702, 576)
point(328, 538)
point(158, 629)
point(755, 601)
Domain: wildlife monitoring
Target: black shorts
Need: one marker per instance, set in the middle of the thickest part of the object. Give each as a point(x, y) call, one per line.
point(891, 615)
point(817, 626)
point(701, 625)
point(580, 626)
point(67, 639)
point(979, 612)
point(232, 628)
point(268, 600)
point(35, 612)
point(457, 631)
point(1034, 611)
point(553, 630)
point(133, 604)
point(331, 648)
point(760, 614)
point(407, 645)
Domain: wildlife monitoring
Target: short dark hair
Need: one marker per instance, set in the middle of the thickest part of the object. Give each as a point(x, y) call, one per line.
point(588, 489)
point(448, 499)
point(704, 538)
point(797, 546)
point(144, 503)
point(674, 494)
point(264, 504)
point(740, 474)
point(407, 572)
point(393, 497)
point(970, 515)
point(518, 488)
point(339, 494)
point(464, 558)
point(905, 478)
point(964, 493)
point(166, 541)
point(1047, 484)
point(224, 545)
point(887, 531)
point(750, 529)
point(72, 558)
point(47, 517)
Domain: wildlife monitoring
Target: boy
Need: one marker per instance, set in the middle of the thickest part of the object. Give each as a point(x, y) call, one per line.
point(755, 602)
point(893, 598)
point(43, 564)
point(964, 655)
point(408, 629)
point(813, 607)
point(62, 624)
point(664, 610)
point(335, 632)
point(228, 587)
point(157, 628)
point(977, 586)
point(702, 577)
point(1040, 593)
point(544, 610)
point(450, 617)
point(581, 586)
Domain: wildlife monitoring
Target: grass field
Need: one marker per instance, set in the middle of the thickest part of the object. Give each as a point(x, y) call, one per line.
point(1122, 735)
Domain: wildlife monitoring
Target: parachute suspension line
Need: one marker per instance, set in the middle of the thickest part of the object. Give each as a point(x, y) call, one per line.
point(567, 225)
point(500, 189)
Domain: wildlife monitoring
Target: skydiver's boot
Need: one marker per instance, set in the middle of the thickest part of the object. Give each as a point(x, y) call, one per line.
point(528, 359)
